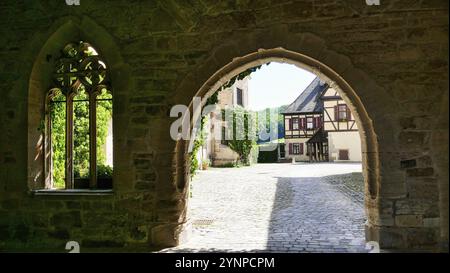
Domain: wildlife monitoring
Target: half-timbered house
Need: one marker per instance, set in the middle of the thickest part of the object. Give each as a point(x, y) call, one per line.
point(340, 126)
point(319, 126)
point(303, 120)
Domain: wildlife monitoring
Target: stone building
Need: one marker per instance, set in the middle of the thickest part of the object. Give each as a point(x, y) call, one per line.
point(215, 150)
point(389, 63)
point(319, 126)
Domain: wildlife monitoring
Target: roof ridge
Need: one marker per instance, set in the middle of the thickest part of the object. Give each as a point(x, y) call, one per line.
point(306, 89)
point(308, 101)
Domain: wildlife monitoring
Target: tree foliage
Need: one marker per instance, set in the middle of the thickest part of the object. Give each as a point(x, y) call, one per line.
point(243, 132)
point(80, 135)
point(240, 147)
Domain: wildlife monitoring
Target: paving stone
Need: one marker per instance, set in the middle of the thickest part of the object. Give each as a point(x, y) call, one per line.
point(278, 208)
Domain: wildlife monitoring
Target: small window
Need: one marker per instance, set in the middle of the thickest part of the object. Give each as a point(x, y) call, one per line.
point(343, 155)
point(295, 124)
point(296, 148)
point(309, 123)
point(342, 112)
point(223, 139)
point(239, 97)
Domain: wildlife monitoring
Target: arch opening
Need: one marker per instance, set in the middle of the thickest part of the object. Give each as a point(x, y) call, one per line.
point(50, 51)
point(369, 145)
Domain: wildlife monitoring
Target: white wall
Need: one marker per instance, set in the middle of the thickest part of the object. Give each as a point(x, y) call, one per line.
point(243, 85)
point(345, 141)
point(329, 117)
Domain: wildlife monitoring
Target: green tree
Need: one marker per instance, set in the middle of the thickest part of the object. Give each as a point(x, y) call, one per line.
point(81, 134)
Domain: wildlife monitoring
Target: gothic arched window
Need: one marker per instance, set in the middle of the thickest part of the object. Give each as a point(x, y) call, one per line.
point(79, 121)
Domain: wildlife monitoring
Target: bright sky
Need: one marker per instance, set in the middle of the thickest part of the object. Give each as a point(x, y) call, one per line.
point(276, 84)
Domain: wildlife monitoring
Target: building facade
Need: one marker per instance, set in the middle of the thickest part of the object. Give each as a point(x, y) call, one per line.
point(319, 126)
point(215, 151)
point(344, 143)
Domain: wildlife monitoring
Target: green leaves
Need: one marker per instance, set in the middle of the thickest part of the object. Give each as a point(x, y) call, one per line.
point(244, 133)
point(104, 172)
point(242, 147)
point(198, 143)
point(58, 118)
point(81, 138)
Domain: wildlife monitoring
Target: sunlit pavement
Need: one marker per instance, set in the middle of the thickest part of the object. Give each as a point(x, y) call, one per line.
point(277, 208)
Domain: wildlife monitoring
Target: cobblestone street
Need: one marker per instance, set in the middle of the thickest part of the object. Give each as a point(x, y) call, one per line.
point(278, 208)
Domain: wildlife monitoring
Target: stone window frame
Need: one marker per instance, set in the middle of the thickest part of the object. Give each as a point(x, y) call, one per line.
point(73, 70)
point(41, 53)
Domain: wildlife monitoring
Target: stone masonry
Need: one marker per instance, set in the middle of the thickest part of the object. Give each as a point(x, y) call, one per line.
point(390, 60)
point(287, 207)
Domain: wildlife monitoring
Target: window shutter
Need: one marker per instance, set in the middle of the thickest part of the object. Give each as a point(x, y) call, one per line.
point(290, 148)
point(290, 124)
point(349, 113)
point(336, 113)
point(301, 148)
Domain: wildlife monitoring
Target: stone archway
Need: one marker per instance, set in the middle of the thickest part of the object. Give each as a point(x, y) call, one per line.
point(357, 89)
point(368, 137)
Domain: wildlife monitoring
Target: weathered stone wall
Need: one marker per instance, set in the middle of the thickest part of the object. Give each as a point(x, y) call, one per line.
point(222, 154)
point(168, 49)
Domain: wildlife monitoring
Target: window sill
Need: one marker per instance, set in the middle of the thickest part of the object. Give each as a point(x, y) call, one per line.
point(72, 192)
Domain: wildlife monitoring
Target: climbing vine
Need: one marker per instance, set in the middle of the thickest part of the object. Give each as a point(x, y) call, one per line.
point(198, 143)
point(242, 147)
point(242, 144)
